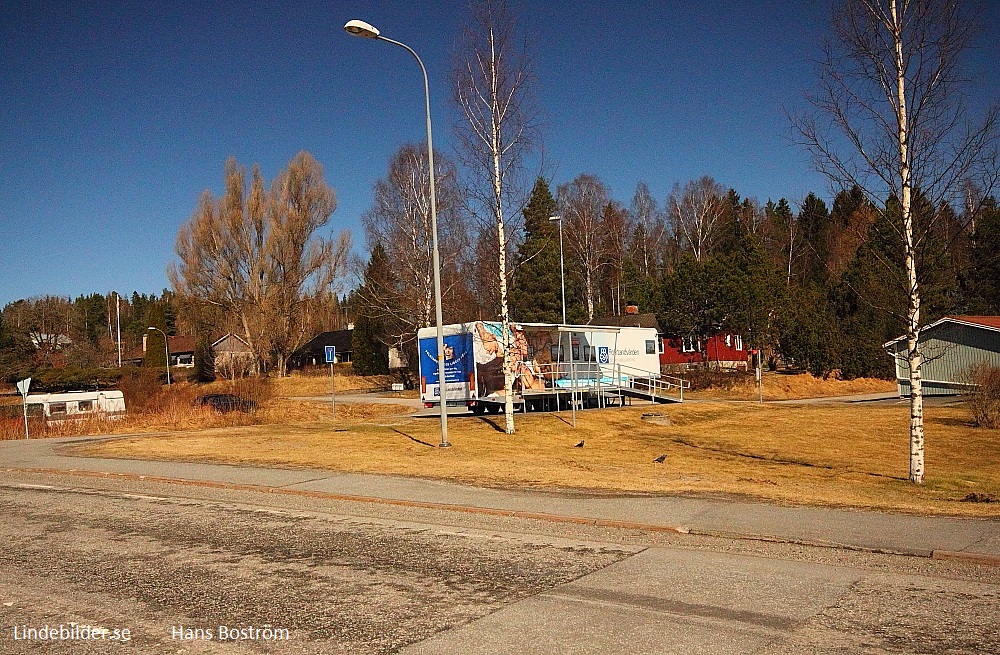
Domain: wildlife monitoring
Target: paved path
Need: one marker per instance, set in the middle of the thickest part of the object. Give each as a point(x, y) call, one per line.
point(943, 537)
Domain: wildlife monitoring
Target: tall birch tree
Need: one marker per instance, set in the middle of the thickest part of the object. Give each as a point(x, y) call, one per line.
point(399, 223)
point(696, 211)
point(582, 203)
point(889, 116)
point(492, 82)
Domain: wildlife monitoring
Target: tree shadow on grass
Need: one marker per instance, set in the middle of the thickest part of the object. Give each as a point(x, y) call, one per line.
point(949, 421)
point(493, 423)
point(412, 438)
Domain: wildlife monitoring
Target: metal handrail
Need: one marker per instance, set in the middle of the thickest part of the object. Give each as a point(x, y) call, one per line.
point(592, 374)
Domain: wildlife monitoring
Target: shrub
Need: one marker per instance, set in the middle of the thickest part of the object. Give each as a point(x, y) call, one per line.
point(141, 388)
point(984, 398)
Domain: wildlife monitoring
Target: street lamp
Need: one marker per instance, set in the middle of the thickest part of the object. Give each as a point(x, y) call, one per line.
point(562, 270)
point(363, 29)
point(166, 350)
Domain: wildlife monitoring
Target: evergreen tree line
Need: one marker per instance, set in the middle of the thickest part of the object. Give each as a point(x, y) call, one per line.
point(55, 331)
point(814, 287)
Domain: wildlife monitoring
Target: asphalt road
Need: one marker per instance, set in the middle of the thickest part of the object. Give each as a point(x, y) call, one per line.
point(173, 564)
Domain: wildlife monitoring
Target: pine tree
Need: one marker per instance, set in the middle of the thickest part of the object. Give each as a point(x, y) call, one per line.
point(371, 355)
point(537, 290)
point(814, 224)
point(981, 283)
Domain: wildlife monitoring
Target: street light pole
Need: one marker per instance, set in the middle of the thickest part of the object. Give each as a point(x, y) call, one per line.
point(363, 29)
point(562, 270)
point(166, 350)
point(118, 318)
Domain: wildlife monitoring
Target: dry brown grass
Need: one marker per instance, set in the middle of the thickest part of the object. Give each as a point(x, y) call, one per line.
point(298, 385)
point(844, 455)
point(781, 386)
point(156, 408)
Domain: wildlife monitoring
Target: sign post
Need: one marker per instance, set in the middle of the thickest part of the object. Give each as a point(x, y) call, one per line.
point(22, 386)
point(758, 371)
point(331, 357)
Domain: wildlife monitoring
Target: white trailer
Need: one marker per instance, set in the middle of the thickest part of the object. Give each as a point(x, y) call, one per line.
point(553, 364)
point(76, 405)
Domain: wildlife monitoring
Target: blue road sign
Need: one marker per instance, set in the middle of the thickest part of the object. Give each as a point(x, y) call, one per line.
point(331, 354)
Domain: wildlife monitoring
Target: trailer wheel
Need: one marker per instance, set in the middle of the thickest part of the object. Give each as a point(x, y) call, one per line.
point(494, 408)
point(479, 409)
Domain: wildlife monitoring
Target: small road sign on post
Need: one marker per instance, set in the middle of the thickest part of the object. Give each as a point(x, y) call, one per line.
point(23, 386)
point(331, 357)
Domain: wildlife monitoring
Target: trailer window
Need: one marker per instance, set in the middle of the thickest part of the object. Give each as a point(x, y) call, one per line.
point(57, 408)
point(650, 346)
point(85, 405)
point(35, 410)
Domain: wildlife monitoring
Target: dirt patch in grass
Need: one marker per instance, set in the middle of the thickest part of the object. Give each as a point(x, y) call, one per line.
point(845, 455)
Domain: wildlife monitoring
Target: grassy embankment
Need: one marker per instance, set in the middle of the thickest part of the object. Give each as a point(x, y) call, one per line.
point(852, 455)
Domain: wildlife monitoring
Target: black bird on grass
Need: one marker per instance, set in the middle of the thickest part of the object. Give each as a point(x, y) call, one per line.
point(661, 458)
point(579, 445)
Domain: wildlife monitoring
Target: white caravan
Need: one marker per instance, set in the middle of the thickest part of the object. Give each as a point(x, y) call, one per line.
point(76, 405)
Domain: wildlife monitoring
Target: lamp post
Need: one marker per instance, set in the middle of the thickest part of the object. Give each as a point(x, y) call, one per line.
point(363, 29)
point(562, 270)
point(118, 317)
point(166, 350)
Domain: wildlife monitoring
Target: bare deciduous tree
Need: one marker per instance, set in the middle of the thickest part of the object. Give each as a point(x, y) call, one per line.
point(304, 268)
point(651, 231)
point(492, 88)
point(400, 221)
point(696, 212)
point(618, 233)
point(257, 256)
point(889, 117)
point(582, 203)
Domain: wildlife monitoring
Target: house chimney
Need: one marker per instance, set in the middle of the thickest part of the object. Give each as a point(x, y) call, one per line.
point(631, 308)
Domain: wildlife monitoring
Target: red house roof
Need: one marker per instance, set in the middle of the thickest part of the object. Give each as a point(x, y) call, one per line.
point(983, 321)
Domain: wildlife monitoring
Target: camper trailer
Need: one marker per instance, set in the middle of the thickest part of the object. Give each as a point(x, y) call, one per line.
point(76, 405)
point(552, 364)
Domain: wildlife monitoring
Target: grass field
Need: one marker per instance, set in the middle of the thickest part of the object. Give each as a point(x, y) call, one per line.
point(842, 455)
point(835, 455)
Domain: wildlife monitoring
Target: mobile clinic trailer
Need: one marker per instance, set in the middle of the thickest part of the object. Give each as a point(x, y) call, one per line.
point(554, 365)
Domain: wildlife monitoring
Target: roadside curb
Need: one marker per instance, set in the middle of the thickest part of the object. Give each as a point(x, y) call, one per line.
point(967, 557)
point(376, 500)
point(960, 556)
point(819, 543)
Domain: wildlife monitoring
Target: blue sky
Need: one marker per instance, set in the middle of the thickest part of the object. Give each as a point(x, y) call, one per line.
point(117, 115)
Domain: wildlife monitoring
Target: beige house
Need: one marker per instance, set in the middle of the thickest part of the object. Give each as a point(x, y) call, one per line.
point(233, 358)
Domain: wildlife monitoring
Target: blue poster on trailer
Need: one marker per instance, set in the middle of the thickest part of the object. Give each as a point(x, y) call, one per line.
point(459, 363)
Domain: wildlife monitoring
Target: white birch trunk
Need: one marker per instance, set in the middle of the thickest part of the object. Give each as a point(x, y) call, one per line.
point(913, 356)
point(508, 354)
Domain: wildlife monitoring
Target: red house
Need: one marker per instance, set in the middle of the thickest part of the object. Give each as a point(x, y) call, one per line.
point(721, 350)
